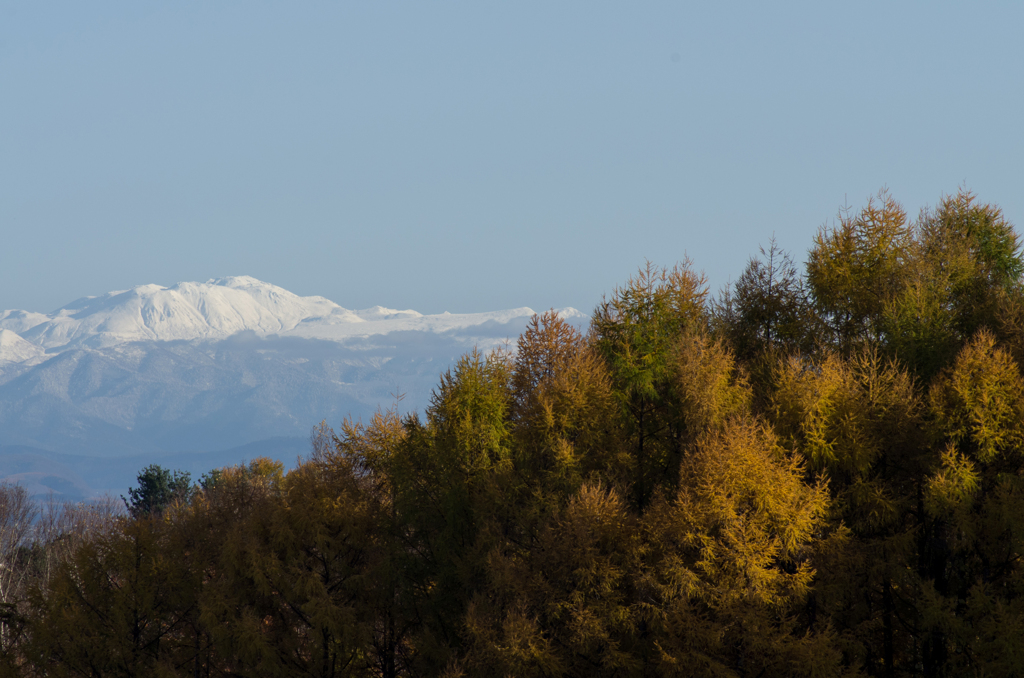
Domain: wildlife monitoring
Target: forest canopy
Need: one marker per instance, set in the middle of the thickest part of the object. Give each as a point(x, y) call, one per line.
point(814, 472)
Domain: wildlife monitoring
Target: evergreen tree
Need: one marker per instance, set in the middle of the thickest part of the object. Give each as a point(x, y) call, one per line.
point(158, 489)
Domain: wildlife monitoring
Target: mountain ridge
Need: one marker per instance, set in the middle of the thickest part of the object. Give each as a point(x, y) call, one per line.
point(217, 309)
point(154, 372)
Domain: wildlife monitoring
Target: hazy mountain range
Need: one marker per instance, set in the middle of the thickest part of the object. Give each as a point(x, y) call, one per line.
point(199, 375)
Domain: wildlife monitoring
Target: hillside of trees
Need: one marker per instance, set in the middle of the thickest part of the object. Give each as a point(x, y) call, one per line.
point(812, 473)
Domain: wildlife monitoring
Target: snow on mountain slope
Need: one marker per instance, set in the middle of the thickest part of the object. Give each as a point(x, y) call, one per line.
point(333, 328)
point(14, 349)
point(218, 309)
point(20, 321)
point(381, 313)
point(211, 310)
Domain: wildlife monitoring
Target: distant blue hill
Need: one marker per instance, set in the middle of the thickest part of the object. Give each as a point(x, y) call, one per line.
point(73, 477)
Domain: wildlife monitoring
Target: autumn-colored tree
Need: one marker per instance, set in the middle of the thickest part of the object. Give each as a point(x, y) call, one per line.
point(730, 561)
point(564, 431)
point(567, 606)
point(290, 597)
point(394, 573)
point(858, 266)
point(119, 607)
point(707, 386)
point(768, 309)
point(974, 499)
point(562, 412)
point(634, 332)
point(810, 476)
point(440, 490)
point(859, 420)
point(606, 590)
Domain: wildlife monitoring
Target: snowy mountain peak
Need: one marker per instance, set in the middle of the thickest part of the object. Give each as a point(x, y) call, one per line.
point(239, 281)
point(219, 308)
point(14, 349)
point(211, 310)
point(21, 321)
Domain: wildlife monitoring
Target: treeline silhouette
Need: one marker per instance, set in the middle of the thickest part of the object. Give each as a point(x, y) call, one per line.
point(814, 473)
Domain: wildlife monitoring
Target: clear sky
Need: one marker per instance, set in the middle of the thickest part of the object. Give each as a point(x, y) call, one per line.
point(472, 156)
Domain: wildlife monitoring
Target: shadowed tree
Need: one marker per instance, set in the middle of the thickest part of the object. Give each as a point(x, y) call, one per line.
point(122, 605)
point(859, 420)
point(17, 516)
point(767, 310)
point(291, 595)
point(975, 498)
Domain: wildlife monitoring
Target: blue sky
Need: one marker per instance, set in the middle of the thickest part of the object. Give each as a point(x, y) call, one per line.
point(474, 156)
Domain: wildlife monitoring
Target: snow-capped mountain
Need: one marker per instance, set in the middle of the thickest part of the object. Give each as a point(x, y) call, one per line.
point(218, 309)
point(217, 365)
